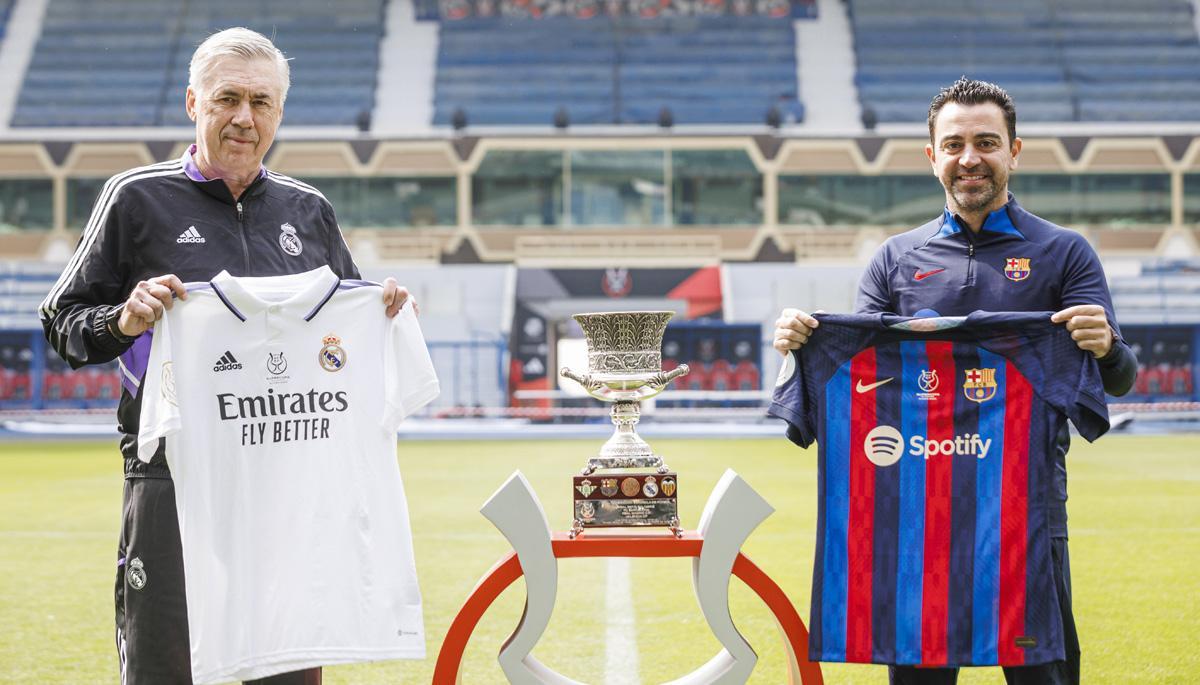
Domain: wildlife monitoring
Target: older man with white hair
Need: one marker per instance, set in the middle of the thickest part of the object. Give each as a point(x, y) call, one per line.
point(152, 229)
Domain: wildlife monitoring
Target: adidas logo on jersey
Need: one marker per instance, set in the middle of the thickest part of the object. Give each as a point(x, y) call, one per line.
point(190, 236)
point(227, 361)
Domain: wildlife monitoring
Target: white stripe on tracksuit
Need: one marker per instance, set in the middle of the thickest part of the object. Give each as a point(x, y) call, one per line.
point(99, 217)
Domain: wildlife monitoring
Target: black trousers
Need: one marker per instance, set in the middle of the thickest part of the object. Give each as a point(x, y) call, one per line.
point(151, 607)
point(1054, 673)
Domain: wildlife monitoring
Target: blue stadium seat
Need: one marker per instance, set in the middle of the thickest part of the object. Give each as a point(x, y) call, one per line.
point(125, 62)
point(1085, 60)
point(723, 70)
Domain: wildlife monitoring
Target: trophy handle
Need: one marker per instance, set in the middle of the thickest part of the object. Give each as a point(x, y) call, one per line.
point(662, 379)
point(585, 379)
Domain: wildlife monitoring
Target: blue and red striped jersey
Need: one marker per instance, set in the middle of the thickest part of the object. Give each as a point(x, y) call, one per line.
point(936, 454)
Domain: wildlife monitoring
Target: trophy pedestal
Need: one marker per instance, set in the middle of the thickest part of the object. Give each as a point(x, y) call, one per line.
point(626, 500)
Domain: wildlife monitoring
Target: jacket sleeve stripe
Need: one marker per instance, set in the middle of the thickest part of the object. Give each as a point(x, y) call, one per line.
point(98, 218)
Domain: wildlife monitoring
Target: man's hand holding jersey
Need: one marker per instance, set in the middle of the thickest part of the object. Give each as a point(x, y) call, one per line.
point(1089, 328)
point(147, 303)
point(792, 330)
point(394, 297)
point(153, 297)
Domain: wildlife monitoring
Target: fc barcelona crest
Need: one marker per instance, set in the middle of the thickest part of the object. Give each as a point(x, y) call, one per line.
point(980, 384)
point(608, 486)
point(1016, 268)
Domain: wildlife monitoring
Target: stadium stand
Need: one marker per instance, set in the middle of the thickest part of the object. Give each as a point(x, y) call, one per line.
point(124, 63)
point(706, 70)
point(1068, 60)
point(6, 7)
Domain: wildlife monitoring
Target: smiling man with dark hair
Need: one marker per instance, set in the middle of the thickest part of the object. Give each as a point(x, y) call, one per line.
point(986, 252)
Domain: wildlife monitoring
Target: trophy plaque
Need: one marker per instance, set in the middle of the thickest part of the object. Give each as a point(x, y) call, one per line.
point(625, 367)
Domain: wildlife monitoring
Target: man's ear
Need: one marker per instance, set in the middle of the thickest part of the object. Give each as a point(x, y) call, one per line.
point(1016, 151)
point(189, 103)
point(931, 154)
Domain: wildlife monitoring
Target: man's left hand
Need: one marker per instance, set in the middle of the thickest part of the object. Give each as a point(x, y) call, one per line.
point(1089, 328)
point(394, 297)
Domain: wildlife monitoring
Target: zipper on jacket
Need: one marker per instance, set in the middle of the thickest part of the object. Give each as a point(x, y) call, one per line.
point(241, 217)
point(970, 262)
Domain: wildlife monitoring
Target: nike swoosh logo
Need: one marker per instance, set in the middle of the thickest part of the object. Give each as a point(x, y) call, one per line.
point(922, 275)
point(868, 388)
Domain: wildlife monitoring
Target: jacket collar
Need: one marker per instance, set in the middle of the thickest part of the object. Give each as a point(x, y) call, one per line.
point(297, 296)
point(998, 221)
point(215, 186)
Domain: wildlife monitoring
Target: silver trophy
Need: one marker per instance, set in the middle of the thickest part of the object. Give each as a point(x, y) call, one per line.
point(625, 367)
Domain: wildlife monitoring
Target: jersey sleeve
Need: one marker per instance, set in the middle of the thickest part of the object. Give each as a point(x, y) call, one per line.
point(409, 379)
point(790, 401)
point(1080, 389)
point(160, 415)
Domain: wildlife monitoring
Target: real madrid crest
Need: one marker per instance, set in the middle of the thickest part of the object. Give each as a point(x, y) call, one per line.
point(650, 488)
point(1017, 268)
point(979, 385)
point(167, 387)
point(289, 241)
point(332, 357)
point(135, 574)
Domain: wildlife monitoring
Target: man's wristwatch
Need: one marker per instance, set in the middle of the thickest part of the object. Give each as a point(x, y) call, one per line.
point(112, 320)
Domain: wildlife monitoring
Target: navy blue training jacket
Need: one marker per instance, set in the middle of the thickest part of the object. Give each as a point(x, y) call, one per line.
point(1017, 262)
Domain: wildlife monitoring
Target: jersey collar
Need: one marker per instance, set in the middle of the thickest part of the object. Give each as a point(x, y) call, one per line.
point(299, 295)
point(997, 222)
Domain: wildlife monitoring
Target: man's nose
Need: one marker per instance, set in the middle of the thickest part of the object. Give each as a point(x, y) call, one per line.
point(969, 156)
point(243, 116)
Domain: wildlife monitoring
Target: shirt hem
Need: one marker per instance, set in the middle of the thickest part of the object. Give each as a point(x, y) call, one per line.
point(295, 660)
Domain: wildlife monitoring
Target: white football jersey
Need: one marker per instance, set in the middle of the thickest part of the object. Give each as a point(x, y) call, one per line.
point(279, 399)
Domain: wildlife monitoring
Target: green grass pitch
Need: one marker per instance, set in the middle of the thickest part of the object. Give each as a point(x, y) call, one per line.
point(1135, 522)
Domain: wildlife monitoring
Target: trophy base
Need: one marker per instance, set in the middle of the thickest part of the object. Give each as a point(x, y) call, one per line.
point(626, 500)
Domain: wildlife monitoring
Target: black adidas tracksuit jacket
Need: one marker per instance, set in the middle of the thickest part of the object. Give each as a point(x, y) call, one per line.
point(157, 220)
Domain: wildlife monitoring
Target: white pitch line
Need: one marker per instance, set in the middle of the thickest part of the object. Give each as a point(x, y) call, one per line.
point(620, 635)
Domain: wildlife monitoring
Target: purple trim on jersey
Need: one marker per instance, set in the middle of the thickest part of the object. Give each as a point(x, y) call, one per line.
point(135, 360)
point(193, 171)
point(910, 550)
point(888, 521)
point(333, 289)
point(228, 304)
point(837, 519)
point(351, 283)
point(985, 621)
point(960, 614)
